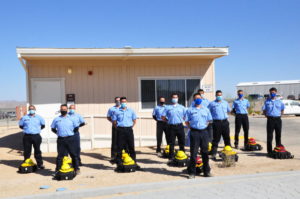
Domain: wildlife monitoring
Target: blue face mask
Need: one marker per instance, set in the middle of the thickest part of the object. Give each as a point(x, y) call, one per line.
point(174, 100)
point(31, 112)
point(72, 111)
point(219, 98)
point(273, 95)
point(198, 101)
point(241, 95)
point(123, 105)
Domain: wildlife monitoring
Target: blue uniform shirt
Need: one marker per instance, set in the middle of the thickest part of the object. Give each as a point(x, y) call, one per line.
point(219, 110)
point(198, 117)
point(241, 106)
point(174, 113)
point(111, 111)
point(158, 111)
point(124, 118)
point(31, 124)
point(64, 126)
point(273, 108)
point(205, 103)
point(77, 118)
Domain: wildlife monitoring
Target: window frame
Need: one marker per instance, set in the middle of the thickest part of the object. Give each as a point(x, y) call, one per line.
point(162, 78)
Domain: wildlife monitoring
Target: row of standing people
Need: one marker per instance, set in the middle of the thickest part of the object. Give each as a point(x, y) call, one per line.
point(208, 122)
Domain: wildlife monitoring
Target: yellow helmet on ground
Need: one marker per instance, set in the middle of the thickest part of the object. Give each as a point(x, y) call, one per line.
point(209, 146)
point(67, 160)
point(227, 148)
point(128, 161)
point(167, 149)
point(27, 163)
point(66, 167)
point(180, 155)
point(125, 155)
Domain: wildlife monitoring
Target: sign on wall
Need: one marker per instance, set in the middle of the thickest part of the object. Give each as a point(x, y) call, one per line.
point(208, 88)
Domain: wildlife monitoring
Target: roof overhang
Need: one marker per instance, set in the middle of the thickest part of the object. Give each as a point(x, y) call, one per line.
point(42, 53)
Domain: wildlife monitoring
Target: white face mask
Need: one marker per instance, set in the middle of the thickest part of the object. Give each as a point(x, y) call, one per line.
point(202, 95)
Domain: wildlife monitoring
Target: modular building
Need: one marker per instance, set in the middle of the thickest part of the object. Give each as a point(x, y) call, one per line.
point(92, 78)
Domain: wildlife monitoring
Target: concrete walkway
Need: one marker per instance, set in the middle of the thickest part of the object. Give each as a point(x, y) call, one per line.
point(264, 185)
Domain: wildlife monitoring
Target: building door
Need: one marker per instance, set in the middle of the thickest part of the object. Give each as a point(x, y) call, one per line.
point(47, 94)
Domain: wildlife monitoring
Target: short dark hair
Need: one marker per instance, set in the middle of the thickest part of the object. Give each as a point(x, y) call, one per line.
point(195, 94)
point(200, 90)
point(117, 97)
point(218, 91)
point(240, 91)
point(31, 106)
point(174, 94)
point(273, 89)
point(122, 98)
point(64, 105)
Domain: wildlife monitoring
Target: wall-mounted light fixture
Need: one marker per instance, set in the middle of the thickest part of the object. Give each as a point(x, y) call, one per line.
point(69, 71)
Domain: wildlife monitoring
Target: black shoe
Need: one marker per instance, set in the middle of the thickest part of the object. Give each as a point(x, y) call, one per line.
point(214, 157)
point(236, 146)
point(207, 174)
point(80, 164)
point(113, 161)
point(191, 176)
point(41, 167)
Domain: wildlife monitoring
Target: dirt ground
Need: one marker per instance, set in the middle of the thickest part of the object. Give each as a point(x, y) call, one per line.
point(98, 172)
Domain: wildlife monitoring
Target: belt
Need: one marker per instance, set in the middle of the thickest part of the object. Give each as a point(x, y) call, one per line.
point(220, 120)
point(200, 130)
point(60, 137)
point(30, 134)
point(124, 127)
point(241, 114)
point(272, 117)
point(160, 121)
point(180, 124)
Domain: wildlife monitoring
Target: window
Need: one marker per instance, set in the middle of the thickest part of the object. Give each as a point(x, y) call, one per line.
point(152, 89)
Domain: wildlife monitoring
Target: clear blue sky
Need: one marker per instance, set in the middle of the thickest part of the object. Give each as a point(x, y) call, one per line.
point(263, 35)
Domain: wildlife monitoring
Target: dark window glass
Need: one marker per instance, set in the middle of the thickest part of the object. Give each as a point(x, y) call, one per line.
point(192, 86)
point(148, 93)
point(165, 88)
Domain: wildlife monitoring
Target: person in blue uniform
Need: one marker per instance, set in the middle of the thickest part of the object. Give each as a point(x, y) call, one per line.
point(197, 119)
point(110, 113)
point(240, 110)
point(124, 120)
point(174, 114)
point(273, 108)
point(161, 125)
point(219, 110)
point(32, 124)
point(65, 127)
point(205, 103)
point(80, 122)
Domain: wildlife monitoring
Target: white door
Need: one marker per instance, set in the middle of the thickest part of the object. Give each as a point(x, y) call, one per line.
point(47, 94)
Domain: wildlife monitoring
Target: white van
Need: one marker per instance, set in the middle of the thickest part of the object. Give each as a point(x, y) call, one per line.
point(292, 107)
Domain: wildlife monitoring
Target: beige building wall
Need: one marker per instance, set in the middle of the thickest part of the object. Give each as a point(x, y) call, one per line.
point(115, 77)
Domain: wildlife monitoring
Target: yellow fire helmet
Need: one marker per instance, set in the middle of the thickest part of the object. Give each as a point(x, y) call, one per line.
point(180, 155)
point(67, 160)
point(209, 146)
point(227, 148)
point(125, 155)
point(128, 161)
point(167, 149)
point(65, 168)
point(28, 163)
